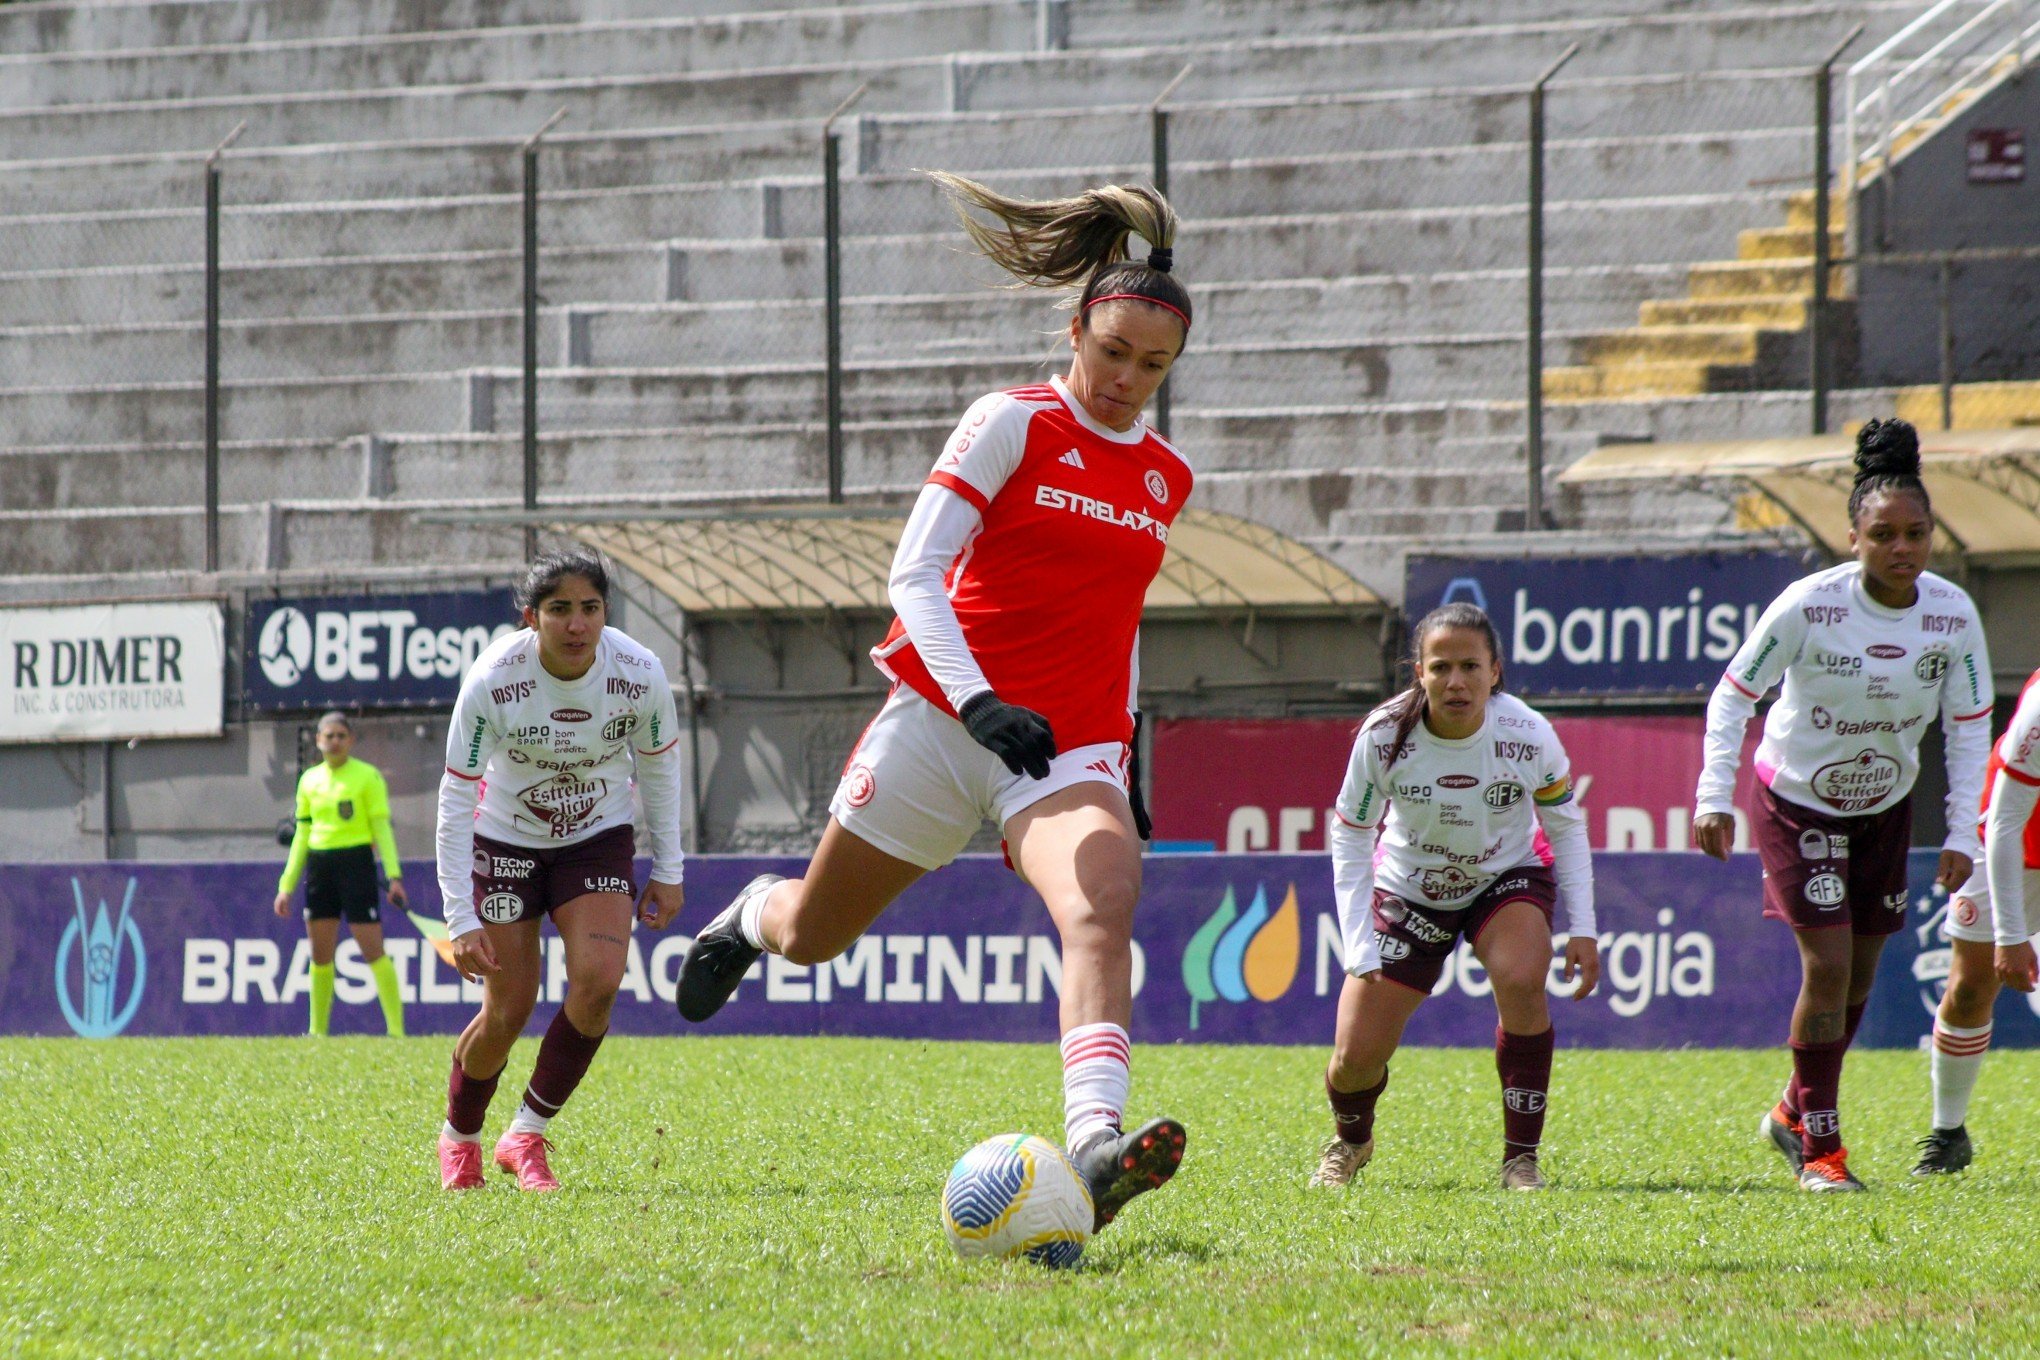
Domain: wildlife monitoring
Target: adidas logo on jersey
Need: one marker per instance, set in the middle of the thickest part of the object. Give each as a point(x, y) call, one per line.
point(1102, 768)
point(1073, 459)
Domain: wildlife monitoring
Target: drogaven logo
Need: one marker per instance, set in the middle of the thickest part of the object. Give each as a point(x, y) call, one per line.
point(100, 945)
point(1233, 957)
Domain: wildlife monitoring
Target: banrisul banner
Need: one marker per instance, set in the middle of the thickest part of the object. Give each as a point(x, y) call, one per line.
point(1609, 625)
point(1230, 949)
point(110, 672)
point(361, 651)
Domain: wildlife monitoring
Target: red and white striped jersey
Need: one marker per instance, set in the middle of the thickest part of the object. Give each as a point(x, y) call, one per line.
point(1048, 591)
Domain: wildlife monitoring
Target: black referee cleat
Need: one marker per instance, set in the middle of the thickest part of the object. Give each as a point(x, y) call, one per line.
point(1132, 1164)
point(720, 957)
point(1944, 1152)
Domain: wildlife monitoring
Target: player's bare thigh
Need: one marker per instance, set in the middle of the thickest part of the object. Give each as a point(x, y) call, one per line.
point(1079, 850)
point(595, 933)
point(1372, 1014)
point(508, 994)
point(1515, 949)
point(848, 883)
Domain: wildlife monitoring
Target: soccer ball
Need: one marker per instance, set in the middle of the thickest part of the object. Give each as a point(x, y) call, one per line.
point(1017, 1195)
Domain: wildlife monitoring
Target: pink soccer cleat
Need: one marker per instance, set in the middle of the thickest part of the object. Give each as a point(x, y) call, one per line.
point(460, 1164)
point(523, 1156)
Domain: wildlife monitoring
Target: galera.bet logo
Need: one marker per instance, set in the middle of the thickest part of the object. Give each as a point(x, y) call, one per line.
point(1234, 957)
point(101, 947)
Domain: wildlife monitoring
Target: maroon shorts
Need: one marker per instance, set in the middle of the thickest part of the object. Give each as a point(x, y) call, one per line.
point(517, 883)
point(1415, 939)
point(1825, 870)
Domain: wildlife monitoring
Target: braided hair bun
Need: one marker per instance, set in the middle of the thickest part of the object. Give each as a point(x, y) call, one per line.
point(1887, 459)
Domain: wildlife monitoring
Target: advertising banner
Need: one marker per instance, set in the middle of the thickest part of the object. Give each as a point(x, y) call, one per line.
point(1609, 625)
point(1242, 785)
point(1229, 949)
point(109, 672)
point(368, 651)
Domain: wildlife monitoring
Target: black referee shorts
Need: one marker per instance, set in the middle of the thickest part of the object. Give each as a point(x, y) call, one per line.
point(343, 883)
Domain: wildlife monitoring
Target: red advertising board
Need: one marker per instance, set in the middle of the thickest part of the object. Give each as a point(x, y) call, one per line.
point(1242, 785)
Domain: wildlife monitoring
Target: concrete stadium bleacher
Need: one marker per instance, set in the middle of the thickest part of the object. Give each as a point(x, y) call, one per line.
point(1351, 177)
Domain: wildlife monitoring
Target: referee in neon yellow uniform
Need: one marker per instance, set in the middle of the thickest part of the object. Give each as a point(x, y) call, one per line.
point(343, 821)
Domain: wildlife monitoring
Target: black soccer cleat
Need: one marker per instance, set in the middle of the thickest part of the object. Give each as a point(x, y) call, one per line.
point(1117, 1169)
point(720, 957)
point(1943, 1152)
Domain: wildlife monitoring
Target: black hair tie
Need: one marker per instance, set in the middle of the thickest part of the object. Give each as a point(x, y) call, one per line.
point(1160, 259)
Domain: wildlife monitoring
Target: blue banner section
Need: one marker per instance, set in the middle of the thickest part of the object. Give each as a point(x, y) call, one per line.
point(1230, 949)
point(368, 651)
point(1609, 625)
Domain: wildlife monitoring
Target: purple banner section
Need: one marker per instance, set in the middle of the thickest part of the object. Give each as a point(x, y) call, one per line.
point(1230, 949)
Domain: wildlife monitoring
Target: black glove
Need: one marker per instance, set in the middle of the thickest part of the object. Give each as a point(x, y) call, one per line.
point(1142, 823)
point(1018, 736)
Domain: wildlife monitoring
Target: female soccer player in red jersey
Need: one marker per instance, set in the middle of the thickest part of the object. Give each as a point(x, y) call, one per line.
point(1992, 908)
point(553, 725)
point(1868, 653)
point(1018, 584)
point(1458, 778)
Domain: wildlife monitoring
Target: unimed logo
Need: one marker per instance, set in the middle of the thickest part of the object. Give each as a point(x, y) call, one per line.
point(1234, 957)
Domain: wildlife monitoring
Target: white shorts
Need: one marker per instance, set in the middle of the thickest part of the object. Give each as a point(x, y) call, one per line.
point(1968, 915)
point(917, 786)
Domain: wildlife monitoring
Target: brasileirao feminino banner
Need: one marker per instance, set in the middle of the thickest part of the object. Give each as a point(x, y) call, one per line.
point(1231, 949)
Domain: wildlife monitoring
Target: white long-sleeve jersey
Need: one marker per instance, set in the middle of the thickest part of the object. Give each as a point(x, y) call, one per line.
point(1859, 684)
point(537, 761)
point(2011, 842)
point(1452, 817)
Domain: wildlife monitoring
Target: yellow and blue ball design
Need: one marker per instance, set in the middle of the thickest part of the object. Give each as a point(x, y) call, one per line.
point(1017, 1195)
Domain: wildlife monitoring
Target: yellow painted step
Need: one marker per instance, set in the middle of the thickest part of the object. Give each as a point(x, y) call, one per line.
point(1772, 312)
point(1977, 406)
point(1601, 382)
point(1766, 279)
point(1673, 344)
point(1799, 213)
point(1775, 243)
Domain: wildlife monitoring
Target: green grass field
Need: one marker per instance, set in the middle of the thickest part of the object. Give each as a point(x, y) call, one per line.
point(774, 1197)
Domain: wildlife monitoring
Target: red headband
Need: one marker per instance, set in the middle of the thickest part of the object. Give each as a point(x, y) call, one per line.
point(1139, 297)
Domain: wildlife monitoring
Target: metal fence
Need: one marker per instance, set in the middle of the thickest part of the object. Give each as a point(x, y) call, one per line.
point(570, 317)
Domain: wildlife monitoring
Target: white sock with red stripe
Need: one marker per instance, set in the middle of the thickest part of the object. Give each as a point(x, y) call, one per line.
point(1958, 1059)
point(1095, 1078)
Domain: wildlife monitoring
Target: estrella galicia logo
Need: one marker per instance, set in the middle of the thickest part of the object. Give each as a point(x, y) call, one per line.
point(1234, 957)
point(101, 946)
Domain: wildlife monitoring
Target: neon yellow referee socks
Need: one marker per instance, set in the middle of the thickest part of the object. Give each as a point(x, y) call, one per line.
point(385, 971)
point(322, 999)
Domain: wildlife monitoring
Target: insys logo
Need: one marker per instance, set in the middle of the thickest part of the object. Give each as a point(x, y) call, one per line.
point(91, 992)
point(285, 647)
point(1234, 957)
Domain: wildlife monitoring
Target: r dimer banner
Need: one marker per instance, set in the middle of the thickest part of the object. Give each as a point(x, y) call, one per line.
point(109, 672)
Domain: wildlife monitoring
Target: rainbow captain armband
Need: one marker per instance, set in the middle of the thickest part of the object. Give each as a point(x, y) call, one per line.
point(1557, 791)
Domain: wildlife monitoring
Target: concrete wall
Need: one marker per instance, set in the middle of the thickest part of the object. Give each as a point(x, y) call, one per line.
point(782, 702)
point(1927, 203)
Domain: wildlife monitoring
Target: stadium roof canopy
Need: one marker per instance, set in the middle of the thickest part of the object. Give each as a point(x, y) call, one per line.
point(1985, 483)
point(805, 560)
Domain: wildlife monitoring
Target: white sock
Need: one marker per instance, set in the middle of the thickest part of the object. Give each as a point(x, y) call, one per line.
point(1095, 1080)
point(450, 1132)
point(751, 919)
point(526, 1121)
point(1957, 1060)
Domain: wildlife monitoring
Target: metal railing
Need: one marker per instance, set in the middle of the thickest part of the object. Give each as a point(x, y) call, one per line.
point(1914, 79)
